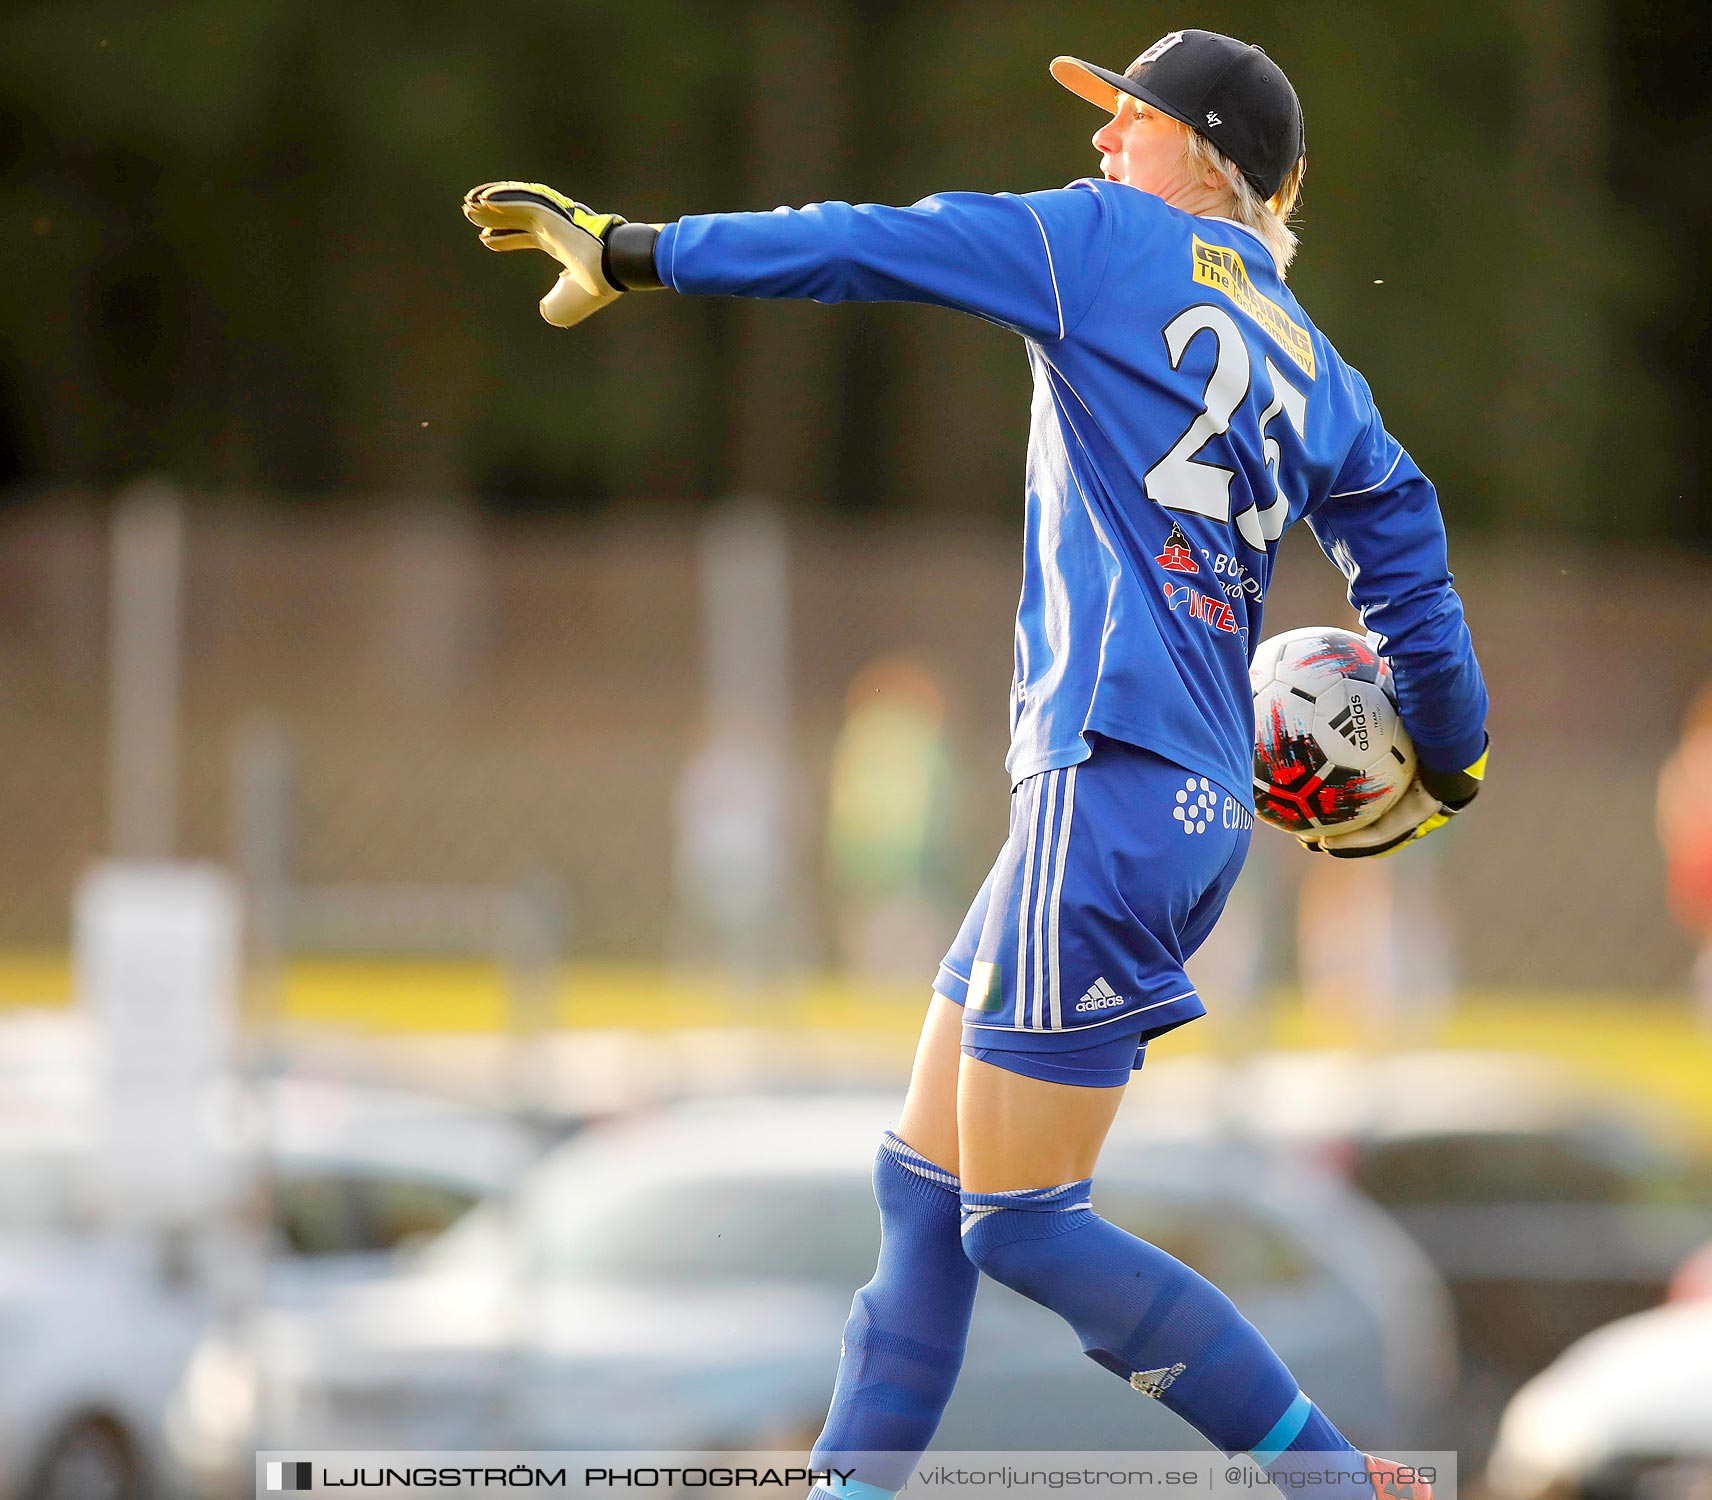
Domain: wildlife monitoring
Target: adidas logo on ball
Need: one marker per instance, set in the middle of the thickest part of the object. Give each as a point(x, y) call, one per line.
point(1351, 723)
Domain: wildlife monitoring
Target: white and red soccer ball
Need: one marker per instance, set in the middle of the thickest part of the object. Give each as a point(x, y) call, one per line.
point(1330, 752)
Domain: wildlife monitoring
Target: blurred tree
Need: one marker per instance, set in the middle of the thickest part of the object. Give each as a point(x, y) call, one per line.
point(236, 255)
point(1662, 136)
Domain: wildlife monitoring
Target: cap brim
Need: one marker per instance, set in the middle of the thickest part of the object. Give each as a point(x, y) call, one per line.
point(1096, 85)
point(1103, 87)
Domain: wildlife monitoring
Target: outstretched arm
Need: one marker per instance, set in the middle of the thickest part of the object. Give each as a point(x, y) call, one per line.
point(1031, 263)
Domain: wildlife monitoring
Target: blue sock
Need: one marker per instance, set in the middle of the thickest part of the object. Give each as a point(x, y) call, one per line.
point(1147, 1317)
point(904, 1342)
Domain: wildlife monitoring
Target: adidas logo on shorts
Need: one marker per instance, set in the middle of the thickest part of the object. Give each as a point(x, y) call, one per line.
point(1100, 996)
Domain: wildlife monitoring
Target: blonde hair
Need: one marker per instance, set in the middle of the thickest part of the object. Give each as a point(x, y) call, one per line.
point(1267, 217)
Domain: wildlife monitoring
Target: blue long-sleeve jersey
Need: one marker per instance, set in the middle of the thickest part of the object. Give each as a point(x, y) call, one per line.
point(1185, 413)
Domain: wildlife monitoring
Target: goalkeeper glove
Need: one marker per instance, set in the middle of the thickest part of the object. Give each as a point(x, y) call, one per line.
point(1432, 800)
point(532, 216)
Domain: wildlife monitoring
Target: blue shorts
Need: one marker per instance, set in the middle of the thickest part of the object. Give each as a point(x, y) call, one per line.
point(1071, 957)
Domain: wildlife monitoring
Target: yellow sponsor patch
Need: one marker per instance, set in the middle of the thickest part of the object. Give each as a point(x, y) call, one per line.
point(1221, 268)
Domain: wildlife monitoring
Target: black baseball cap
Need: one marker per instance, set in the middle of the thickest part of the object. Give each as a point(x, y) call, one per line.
point(1228, 91)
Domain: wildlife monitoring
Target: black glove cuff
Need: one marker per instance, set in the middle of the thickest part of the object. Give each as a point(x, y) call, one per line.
point(1455, 789)
point(627, 257)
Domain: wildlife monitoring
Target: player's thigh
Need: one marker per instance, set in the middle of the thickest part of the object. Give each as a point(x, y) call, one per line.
point(1110, 868)
point(929, 1120)
point(1015, 1131)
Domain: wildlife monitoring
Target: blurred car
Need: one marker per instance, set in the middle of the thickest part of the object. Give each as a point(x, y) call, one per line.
point(1550, 1211)
point(1624, 1414)
point(98, 1322)
point(682, 1281)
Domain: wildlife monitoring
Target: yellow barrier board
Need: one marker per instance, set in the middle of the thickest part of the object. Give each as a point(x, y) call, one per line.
point(1642, 1044)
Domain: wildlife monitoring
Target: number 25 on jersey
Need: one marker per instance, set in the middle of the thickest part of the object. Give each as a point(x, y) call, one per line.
point(1180, 481)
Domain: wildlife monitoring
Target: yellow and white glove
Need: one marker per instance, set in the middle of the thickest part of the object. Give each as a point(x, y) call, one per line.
point(532, 216)
point(1432, 800)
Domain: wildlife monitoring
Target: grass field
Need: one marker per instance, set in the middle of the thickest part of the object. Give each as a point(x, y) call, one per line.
point(1647, 1045)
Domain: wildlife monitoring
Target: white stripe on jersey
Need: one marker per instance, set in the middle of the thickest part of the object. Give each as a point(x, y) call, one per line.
point(1051, 270)
point(1345, 494)
point(1064, 420)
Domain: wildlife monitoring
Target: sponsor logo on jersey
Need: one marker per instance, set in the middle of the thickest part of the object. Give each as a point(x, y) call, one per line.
point(1155, 1383)
point(1235, 578)
point(1234, 815)
point(1221, 268)
point(1099, 996)
point(1215, 614)
point(1175, 556)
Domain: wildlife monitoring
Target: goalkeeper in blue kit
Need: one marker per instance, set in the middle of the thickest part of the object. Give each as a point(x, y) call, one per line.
point(1186, 412)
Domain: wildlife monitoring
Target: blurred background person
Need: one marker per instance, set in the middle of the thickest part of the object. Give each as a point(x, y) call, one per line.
point(1373, 948)
point(1685, 831)
point(891, 823)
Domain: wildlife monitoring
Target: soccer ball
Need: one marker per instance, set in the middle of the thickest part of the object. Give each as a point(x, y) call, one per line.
point(1330, 752)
